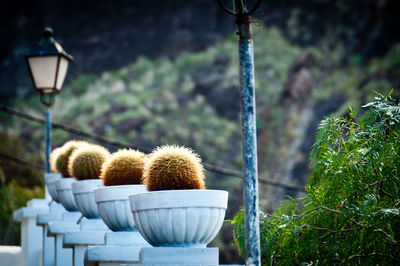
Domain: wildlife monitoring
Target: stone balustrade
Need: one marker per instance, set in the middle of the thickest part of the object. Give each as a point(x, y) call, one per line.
point(51, 235)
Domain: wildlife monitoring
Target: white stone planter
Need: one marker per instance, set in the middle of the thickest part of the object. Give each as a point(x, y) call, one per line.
point(65, 196)
point(50, 180)
point(114, 208)
point(179, 218)
point(84, 196)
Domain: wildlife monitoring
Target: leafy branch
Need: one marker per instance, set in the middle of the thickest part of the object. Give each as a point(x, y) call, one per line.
point(330, 230)
point(330, 210)
point(353, 196)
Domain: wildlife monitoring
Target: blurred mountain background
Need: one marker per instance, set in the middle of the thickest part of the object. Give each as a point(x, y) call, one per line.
point(155, 72)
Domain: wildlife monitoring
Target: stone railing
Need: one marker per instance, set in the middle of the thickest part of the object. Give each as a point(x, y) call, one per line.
point(11, 255)
point(118, 225)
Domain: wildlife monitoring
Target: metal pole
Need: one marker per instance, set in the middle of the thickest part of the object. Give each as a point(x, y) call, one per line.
point(48, 138)
point(248, 109)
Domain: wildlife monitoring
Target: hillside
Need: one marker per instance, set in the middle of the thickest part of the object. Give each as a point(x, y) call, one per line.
point(193, 100)
point(149, 73)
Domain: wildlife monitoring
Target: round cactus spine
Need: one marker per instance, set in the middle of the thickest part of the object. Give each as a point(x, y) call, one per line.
point(53, 158)
point(124, 167)
point(61, 162)
point(173, 167)
point(85, 162)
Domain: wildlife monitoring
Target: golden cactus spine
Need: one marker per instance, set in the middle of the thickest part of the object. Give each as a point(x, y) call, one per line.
point(173, 167)
point(61, 162)
point(124, 167)
point(85, 162)
point(53, 158)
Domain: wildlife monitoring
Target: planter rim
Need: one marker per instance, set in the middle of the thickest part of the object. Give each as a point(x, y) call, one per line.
point(51, 177)
point(180, 198)
point(121, 192)
point(86, 186)
point(65, 183)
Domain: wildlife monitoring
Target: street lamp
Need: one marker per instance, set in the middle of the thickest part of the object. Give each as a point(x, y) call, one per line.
point(48, 65)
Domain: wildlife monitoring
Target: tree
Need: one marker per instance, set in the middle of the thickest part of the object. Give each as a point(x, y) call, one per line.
point(350, 214)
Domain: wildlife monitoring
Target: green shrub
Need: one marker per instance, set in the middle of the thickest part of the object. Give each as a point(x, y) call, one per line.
point(12, 197)
point(351, 212)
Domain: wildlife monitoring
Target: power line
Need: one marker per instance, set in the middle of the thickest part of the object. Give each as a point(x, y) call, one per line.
point(69, 129)
point(21, 162)
point(101, 139)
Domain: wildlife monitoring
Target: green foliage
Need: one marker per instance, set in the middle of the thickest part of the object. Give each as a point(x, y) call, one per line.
point(193, 100)
point(12, 171)
point(13, 197)
point(351, 214)
point(79, 85)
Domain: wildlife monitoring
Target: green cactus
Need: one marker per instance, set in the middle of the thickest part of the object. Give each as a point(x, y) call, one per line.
point(53, 158)
point(61, 162)
point(123, 167)
point(85, 162)
point(173, 167)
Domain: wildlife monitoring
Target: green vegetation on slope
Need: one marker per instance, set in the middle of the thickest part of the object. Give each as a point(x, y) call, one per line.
point(12, 197)
point(193, 100)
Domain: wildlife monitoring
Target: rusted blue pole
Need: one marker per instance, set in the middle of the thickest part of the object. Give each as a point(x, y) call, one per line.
point(48, 138)
point(248, 110)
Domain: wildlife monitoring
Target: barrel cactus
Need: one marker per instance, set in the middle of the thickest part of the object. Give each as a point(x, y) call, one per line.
point(53, 158)
point(124, 167)
point(85, 162)
point(61, 162)
point(173, 167)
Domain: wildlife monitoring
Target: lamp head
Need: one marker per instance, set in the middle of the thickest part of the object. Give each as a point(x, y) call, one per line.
point(48, 64)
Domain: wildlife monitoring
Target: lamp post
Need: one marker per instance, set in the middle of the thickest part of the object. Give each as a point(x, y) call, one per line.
point(48, 65)
point(248, 110)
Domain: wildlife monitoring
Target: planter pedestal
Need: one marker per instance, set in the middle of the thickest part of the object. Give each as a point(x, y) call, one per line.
point(179, 224)
point(43, 219)
point(91, 233)
point(80, 241)
point(31, 234)
point(57, 229)
point(179, 256)
point(93, 225)
point(119, 248)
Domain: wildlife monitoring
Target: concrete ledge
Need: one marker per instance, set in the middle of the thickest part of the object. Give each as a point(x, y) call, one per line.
point(93, 225)
point(71, 216)
point(126, 239)
point(38, 203)
point(61, 227)
point(45, 218)
point(28, 212)
point(179, 256)
point(83, 238)
point(33, 208)
point(121, 254)
point(11, 255)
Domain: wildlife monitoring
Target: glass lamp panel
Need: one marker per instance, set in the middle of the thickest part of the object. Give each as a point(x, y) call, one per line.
point(43, 69)
point(62, 72)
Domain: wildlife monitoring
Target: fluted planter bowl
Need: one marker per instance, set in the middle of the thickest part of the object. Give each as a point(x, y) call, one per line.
point(65, 196)
point(83, 191)
point(179, 218)
point(50, 180)
point(114, 207)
